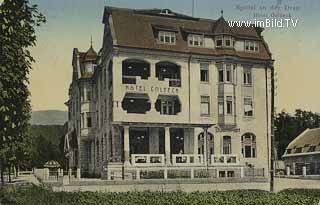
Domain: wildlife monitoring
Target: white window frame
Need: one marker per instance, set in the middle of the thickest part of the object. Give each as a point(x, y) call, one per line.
point(205, 100)
point(229, 102)
point(226, 145)
point(247, 74)
point(224, 39)
point(248, 101)
point(229, 69)
point(216, 41)
point(167, 34)
point(204, 67)
point(165, 105)
point(193, 38)
point(251, 143)
point(220, 105)
point(251, 46)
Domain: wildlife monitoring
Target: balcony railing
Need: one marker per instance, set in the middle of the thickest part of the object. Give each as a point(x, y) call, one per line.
point(126, 79)
point(187, 159)
point(174, 82)
point(224, 159)
point(147, 159)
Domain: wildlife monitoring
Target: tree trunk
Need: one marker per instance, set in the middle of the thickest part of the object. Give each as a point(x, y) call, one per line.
point(9, 171)
point(17, 169)
point(2, 172)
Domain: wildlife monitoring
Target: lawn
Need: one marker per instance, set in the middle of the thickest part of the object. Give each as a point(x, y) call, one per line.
point(38, 195)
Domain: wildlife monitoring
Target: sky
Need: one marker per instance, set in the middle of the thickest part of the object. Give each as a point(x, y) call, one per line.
point(71, 23)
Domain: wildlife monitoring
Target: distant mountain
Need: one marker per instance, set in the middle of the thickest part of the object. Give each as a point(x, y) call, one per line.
point(49, 117)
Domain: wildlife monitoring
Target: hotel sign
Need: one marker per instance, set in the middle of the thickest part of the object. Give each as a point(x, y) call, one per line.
point(152, 89)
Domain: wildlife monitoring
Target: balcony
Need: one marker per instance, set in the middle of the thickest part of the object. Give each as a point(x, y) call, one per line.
point(169, 70)
point(224, 160)
point(187, 159)
point(147, 159)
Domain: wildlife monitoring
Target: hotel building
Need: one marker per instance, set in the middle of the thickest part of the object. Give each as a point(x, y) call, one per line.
point(171, 96)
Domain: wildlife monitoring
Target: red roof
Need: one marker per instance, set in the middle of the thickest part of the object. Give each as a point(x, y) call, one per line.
point(135, 29)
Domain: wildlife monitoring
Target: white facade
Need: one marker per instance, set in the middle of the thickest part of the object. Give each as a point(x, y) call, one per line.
point(172, 113)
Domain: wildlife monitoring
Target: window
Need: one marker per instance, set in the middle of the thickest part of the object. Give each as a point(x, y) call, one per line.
point(247, 77)
point(167, 37)
point(229, 104)
point(167, 107)
point(204, 72)
point(82, 120)
point(226, 145)
point(228, 73)
point(312, 148)
point(89, 121)
point(219, 42)
point(220, 106)
point(224, 41)
point(248, 143)
point(248, 107)
point(251, 46)
point(205, 105)
point(89, 94)
point(227, 41)
point(220, 73)
point(289, 151)
point(195, 40)
point(298, 149)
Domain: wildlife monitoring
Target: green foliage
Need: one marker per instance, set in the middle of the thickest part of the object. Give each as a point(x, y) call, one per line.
point(288, 127)
point(17, 34)
point(38, 195)
point(46, 144)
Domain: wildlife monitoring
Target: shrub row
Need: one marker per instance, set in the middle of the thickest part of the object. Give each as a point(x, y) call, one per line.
point(38, 195)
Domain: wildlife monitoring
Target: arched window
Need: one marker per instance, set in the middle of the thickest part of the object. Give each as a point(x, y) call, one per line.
point(226, 145)
point(210, 142)
point(248, 143)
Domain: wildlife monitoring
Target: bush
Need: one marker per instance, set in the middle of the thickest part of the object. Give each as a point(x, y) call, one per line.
point(39, 195)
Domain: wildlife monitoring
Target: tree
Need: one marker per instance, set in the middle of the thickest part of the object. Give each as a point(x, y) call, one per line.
point(17, 34)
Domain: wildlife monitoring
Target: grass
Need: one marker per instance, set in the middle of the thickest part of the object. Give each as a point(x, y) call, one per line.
point(40, 195)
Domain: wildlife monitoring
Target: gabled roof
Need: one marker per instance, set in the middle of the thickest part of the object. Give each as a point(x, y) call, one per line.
point(135, 29)
point(222, 27)
point(303, 143)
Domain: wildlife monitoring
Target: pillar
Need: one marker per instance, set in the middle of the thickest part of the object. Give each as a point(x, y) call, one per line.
point(304, 171)
point(78, 173)
point(195, 147)
point(288, 171)
point(167, 145)
point(126, 147)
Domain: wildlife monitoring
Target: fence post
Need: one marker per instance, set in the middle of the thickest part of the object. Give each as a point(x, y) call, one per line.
point(241, 172)
point(304, 171)
point(288, 171)
point(165, 173)
point(192, 173)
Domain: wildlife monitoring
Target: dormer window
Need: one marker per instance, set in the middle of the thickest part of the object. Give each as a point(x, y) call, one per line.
point(251, 46)
point(166, 12)
point(166, 37)
point(224, 41)
point(195, 40)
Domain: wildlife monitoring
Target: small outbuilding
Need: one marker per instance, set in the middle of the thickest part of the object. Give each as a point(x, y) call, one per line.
point(302, 156)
